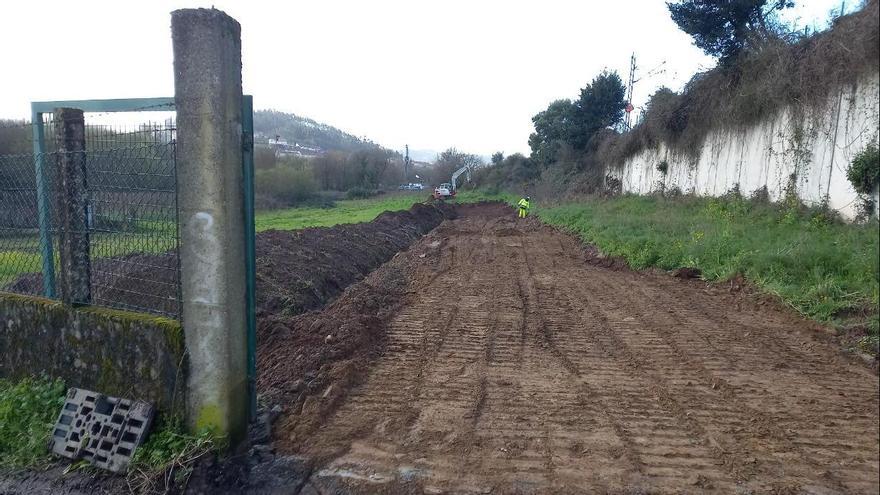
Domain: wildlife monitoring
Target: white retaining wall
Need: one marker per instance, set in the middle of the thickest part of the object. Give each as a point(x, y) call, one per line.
point(816, 148)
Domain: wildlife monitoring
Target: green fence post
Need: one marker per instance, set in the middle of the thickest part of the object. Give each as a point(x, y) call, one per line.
point(43, 205)
point(247, 162)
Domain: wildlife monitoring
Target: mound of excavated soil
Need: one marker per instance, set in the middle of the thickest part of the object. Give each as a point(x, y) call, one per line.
point(303, 269)
point(308, 362)
point(296, 270)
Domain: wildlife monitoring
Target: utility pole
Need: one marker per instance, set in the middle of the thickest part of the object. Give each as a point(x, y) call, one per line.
point(406, 166)
point(629, 92)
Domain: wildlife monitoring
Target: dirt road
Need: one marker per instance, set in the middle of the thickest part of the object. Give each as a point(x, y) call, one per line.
point(516, 366)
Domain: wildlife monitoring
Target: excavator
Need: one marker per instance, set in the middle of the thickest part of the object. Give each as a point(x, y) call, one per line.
point(447, 189)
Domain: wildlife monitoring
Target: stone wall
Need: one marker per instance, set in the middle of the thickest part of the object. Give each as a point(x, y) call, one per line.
point(815, 147)
point(117, 353)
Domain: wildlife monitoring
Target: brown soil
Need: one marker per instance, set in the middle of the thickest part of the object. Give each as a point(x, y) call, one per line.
point(495, 356)
point(301, 270)
point(297, 270)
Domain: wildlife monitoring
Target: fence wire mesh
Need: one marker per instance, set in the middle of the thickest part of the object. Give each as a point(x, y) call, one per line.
point(19, 230)
point(130, 211)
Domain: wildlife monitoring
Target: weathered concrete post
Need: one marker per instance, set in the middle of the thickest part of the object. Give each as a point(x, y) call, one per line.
point(207, 85)
point(71, 206)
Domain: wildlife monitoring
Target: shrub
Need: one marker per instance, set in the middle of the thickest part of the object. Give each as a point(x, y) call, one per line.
point(663, 167)
point(613, 186)
point(360, 193)
point(794, 73)
point(674, 192)
point(285, 185)
point(734, 193)
point(864, 171)
point(760, 195)
point(264, 157)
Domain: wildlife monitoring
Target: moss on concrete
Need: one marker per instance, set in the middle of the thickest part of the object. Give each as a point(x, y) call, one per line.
point(115, 352)
point(210, 419)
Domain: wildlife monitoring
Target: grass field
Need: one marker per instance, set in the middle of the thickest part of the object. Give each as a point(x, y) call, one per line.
point(824, 269)
point(21, 255)
point(352, 211)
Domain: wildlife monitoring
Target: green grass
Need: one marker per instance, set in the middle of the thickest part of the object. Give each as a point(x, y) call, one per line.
point(352, 211)
point(28, 409)
point(826, 270)
point(21, 255)
point(15, 263)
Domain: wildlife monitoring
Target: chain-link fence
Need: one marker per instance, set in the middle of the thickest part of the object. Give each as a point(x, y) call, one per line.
point(19, 228)
point(129, 207)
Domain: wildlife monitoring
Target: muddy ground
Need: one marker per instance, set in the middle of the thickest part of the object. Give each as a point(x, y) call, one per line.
point(501, 356)
point(513, 361)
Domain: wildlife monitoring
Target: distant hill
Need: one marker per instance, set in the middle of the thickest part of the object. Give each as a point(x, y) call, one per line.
point(306, 133)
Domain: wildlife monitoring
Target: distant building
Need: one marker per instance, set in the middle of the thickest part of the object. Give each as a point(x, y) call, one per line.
point(284, 148)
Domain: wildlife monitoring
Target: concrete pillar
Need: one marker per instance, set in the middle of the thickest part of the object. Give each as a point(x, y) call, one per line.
point(207, 85)
point(71, 206)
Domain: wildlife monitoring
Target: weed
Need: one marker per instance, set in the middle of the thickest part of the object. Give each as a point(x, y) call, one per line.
point(28, 409)
point(165, 462)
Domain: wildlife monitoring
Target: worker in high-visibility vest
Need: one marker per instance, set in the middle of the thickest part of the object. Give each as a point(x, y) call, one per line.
point(523, 207)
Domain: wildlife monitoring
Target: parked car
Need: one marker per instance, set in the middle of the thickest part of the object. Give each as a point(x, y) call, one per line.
point(412, 186)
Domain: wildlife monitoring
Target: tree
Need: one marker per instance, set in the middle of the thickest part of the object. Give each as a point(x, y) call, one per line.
point(451, 160)
point(331, 171)
point(553, 126)
point(15, 137)
point(600, 105)
point(573, 124)
point(369, 167)
point(497, 157)
point(724, 28)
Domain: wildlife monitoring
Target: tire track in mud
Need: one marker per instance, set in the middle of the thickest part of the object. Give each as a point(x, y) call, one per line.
point(645, 348)
point(518, 368)
point(642, 347)
point(586, 393)
point(776, 434)
point(593, 347)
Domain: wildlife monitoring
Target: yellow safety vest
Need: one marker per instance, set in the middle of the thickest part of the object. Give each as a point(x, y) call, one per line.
point(523, 203)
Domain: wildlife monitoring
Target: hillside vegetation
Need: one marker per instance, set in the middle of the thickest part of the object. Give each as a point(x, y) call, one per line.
point(576, 142)
point(308, 132)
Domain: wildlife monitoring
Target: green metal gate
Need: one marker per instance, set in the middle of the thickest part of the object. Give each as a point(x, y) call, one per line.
point(124, 205)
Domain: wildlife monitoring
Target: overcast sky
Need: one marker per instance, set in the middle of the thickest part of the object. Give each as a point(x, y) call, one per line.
point(433, 74)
